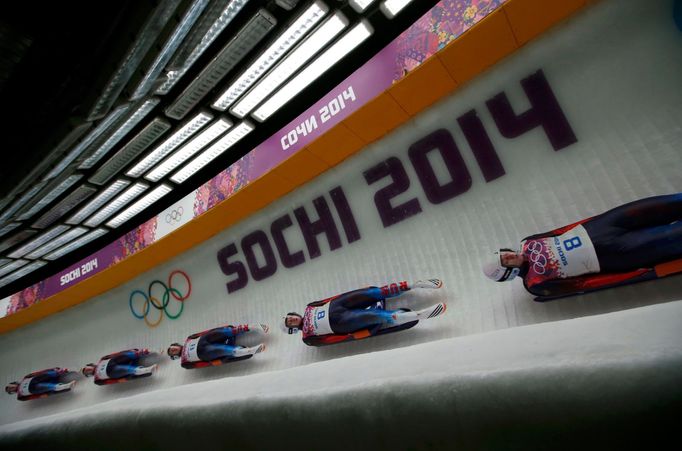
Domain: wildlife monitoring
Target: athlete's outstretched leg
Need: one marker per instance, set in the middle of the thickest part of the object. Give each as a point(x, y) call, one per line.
point(373, 319)
point(360, 299)
point(648, 212)
point(643, 248)
point(212, 351)
point(131, 369)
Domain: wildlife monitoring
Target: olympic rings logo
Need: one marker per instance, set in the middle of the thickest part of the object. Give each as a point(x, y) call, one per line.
point(152, 301)
point(537, 258)
point(175, 215)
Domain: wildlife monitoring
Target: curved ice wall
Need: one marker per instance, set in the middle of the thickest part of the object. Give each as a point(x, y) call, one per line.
point(583, 120)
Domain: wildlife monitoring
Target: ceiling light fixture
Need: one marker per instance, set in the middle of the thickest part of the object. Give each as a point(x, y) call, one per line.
point(208, 32)
point(38, 241)
point(134, 119)
point(130, 151)
point(57, 242)
point(51, 194)
point(189, 149)
point(227, 59)
point(23, 200)
point(19, 237)
point(392, 7)
point(169, 48)
point(21, 273)
point(212, 152)
point(64, 206)
point(8, 228)
point(89, 139)
point(360, 5)
point(329, 58)
point(298, 58)
point(98, 201)
point(177, 138)
point(72, 246)
point(153, 26)
point(115, 205)
point(140, 205)
point(292, 35)
point(16, 264)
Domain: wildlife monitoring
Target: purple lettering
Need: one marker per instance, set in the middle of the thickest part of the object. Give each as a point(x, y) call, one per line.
point(481, 146)
point(389, 214)
point(229, 268)
point(325, 224)
point(350, 227)
point(544, 112)
point(259, 238)
point(442, 141)
point(288, 259)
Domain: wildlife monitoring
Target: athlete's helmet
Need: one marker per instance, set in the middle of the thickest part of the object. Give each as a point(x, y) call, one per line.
point(494, 269)
point(90, 366)
point(287, 329)
point(172, 356)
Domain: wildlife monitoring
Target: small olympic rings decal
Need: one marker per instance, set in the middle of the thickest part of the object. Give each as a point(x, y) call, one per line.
point(175, 215)
point(151, 299)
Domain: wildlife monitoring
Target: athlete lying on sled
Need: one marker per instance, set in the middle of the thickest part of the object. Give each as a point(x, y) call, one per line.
point(120, 367)
point(632, 243)
point(359, 314)
point(216, 346)
point(41, 384)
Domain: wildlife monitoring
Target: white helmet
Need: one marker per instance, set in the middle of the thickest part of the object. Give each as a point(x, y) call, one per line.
point(494, 270)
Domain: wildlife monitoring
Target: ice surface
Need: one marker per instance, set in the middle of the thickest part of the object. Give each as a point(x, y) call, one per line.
point(538, 386)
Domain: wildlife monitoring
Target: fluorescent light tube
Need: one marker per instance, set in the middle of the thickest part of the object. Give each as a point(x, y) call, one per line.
point(21, 273)
point(140, 205)
point(212, 152)
point(38, 241)
point(169, 48)
point(64, 206)
point(116, 204)
point(72, 246)
point(392, 7)
point(293, 62)
point(177, 138)
point(292, 35)
point(329, 58)
point(57, 242)
point(28, 195)
point(89, 139)
point(130, 151)
point(234, 51)
point(16, 264)
point(51, 195)
point(360, 5)
point(154, 25)
point(98, 201)
point(189, 149)
point(8, 228)
point(19, 237)
point(122, 131)
point(226, 16)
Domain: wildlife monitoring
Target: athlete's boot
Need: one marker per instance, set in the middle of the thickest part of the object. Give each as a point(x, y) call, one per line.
point(244, 351)
point(433, 311)
point(428, 284)
point(67, 386)
point(141, 370)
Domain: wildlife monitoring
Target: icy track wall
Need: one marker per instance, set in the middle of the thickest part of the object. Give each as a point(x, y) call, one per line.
point(583, 120)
